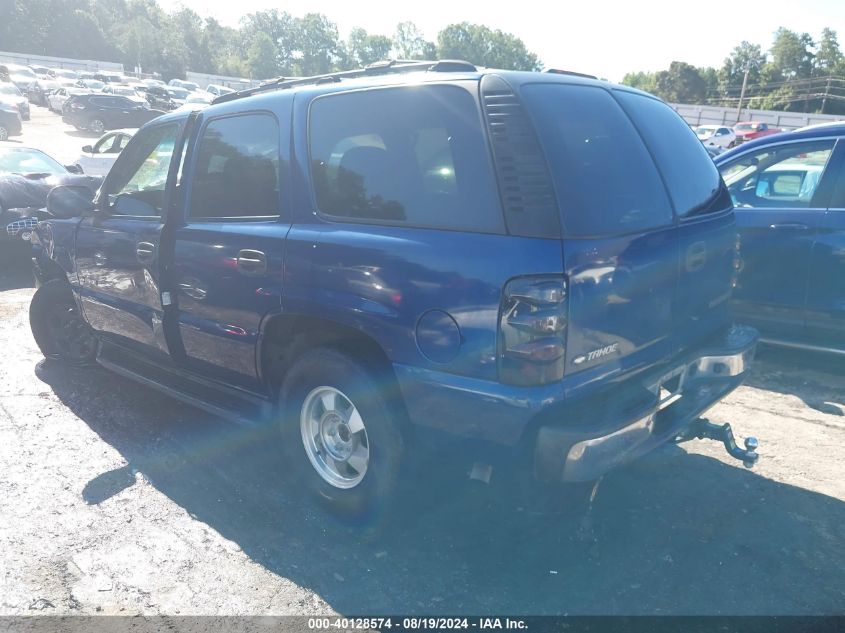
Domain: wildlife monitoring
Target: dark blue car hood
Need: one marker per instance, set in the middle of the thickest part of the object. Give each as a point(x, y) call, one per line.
point(18, 191)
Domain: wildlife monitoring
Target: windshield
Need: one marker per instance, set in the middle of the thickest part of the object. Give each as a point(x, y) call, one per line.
point(28, 161)
point(10, 89)
point(20, 71)
point(704, 131)
point(178, 93)
point(93, 84)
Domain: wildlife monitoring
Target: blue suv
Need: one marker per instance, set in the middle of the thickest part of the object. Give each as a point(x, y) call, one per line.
point(529, 259)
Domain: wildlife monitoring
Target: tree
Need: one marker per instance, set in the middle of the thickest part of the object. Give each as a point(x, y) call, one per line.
point(409, 43)
point(318, 45)
point(682, 83)
point(829, 57)
point(791, 54)
point(263, 57)
point(745, 57)
point(485, 47)
point(364, 49)
point(641, 80)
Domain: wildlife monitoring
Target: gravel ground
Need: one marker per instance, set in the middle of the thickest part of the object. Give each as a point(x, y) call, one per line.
point(118, 500)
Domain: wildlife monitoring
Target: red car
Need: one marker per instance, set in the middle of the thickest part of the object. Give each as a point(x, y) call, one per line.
point(749, 130)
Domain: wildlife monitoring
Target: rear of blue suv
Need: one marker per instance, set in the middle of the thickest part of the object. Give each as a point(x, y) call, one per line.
point(509, 257)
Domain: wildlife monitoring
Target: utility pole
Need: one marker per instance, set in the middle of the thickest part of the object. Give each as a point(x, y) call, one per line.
point(826, 92)
point(742, 94)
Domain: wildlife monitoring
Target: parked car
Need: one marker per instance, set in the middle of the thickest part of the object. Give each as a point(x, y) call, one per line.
point(19, 75)
point(10, 121)
point(101, 112)
point(153, 82)
point(98, 158)
point(178, 95)
point(218, 90)
point(159, 98)
point(94, 85)
point(190, 86)
point(330, 263)
point(57, 99)
point(122, 91)
point(43, 88)
point(750, 130)
point(9, 93)
point(195, 101)
point(27, 175)
point(789, 192)
point(718, 135)
point(110, 77)
point(64, 75)
point(40, 71)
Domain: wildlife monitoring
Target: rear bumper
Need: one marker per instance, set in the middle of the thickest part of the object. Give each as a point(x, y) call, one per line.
point(567, 453)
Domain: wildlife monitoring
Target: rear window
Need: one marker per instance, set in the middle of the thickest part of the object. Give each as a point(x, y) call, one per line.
point(605, 179)
point(407, 156)
point(692, 179)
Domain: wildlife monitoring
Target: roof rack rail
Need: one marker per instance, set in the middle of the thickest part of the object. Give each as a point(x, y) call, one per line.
point(386, 67)
point(572, 73)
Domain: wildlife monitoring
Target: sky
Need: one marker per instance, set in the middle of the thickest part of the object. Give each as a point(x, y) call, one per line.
point(607, 39)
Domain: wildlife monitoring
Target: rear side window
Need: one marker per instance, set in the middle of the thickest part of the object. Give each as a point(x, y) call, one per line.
point(237, 169)
point(691, 177)
point(606, 181)
point(412, 155)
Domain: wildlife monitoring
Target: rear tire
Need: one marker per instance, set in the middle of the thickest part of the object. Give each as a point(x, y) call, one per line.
point(58, 327)
point(340, 434)
point(4, 134)
point(97, 125)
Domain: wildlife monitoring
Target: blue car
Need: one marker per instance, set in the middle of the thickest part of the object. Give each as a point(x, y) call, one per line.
point(789, 196)
point(533, 261)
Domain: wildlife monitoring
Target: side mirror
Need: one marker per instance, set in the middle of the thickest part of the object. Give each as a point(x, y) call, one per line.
point(87, 149)
point(69, 201)
point(75, 168)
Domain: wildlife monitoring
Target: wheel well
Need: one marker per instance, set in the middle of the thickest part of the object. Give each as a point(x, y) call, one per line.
point(287, 337)
point(48, 269)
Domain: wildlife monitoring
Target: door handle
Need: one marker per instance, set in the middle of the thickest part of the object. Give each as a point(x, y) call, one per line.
point(145, 252)
point(252, 262)
point(796, 226)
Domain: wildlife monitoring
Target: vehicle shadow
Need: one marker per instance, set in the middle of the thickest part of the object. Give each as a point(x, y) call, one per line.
point(82, 134)
point(820, 384)
point(673, 534)
point(15, 266)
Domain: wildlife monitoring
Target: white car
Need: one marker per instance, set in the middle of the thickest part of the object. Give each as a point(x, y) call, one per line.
point(718, 135)
point(97, 159)
point(56, 99)
point(218, 90)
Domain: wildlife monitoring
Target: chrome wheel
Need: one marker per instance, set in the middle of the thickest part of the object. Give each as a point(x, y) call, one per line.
point(334, 437)
point(4, 134)
point(98, 126)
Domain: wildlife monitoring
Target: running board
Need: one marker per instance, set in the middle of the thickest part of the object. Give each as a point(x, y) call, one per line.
point(803, 346)
point(216, 399)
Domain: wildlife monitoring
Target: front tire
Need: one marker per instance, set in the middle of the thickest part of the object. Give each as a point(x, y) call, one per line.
point(341, 434)
point(4, 134)
point(58, 327)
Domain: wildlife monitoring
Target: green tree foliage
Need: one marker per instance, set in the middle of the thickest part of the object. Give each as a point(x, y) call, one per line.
point(682, 83)
point(364, 49)
point(263, 57)
point(409, 43)
point(483, 46)
point(745, 57)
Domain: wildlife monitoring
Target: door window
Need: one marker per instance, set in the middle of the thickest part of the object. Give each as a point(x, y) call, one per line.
point(136, 184)
point(105, 145)
point(785, 175)
point(237, 170)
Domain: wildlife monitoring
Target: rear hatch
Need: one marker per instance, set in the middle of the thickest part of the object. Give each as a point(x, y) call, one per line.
point(647, 227)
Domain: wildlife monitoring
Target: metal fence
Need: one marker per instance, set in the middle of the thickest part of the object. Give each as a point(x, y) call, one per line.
point(237, 83)
point(27, 59)
point(715, 115)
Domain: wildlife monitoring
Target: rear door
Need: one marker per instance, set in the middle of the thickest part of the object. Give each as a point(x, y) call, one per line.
point(620, 243)
point(780, 208)
point(228, 247)
point(826, 285)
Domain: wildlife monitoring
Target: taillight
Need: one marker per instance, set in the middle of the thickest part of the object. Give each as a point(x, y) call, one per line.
point(532, 330)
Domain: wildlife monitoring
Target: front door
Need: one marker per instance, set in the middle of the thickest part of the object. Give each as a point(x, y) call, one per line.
point(229, 245)
point(779, 210)
point(118, 250)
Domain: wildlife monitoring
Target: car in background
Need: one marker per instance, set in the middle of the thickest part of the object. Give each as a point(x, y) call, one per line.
point(10, 121)
point(718, 135)
point(91, 84)
point(9, 93)
point(40, 71)
point(178, 95)
point(218, 90)
point(153, 82)
point(27, 175)
point(21, 76)
point(122, 91)
point(789, 197)
point(97, 159)
point(99, 112)
point(159, 98)
point(190, 86)
point(64, 75)
point(43, 88)
point(196, 101)
point(750, 130)
point(110, 77)
point(57, 99)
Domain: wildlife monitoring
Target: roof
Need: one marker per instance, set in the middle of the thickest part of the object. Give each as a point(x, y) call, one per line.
point(824, 131)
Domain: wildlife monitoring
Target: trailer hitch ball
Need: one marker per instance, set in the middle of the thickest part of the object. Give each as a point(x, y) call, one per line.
point(704, 429)
point(751, 455)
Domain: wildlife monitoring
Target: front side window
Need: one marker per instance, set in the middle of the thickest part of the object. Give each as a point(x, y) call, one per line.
point(785, 175)
point(413, 156)
point(237, 169)
point(136, 184)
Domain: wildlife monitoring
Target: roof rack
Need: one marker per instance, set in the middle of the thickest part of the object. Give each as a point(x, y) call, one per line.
point(385, 67)
point(572, 73)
